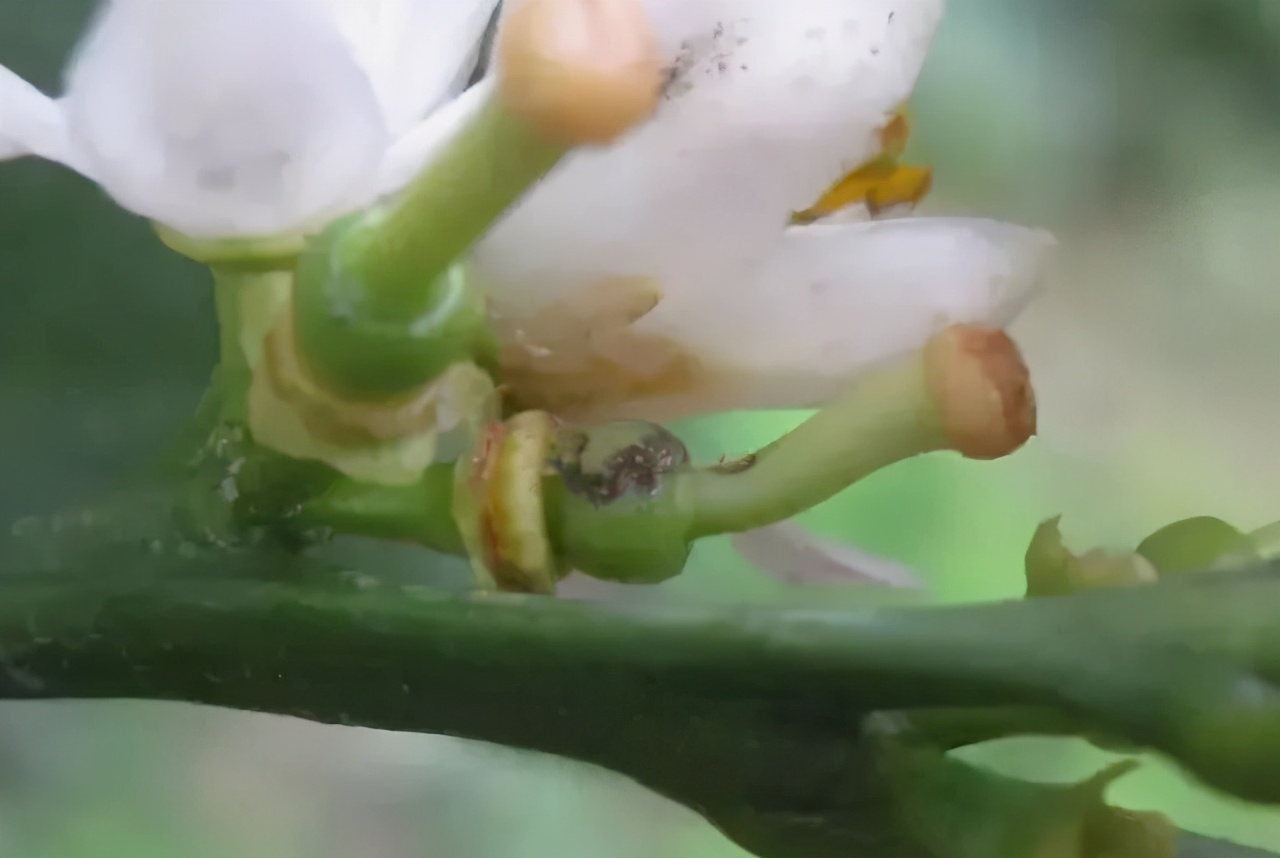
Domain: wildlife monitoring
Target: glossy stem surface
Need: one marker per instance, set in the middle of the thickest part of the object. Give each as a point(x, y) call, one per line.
point(488, 165)
point(417, 513)
point(887, 415)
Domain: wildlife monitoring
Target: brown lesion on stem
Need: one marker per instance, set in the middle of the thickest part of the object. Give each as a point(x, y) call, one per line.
point(617, 460)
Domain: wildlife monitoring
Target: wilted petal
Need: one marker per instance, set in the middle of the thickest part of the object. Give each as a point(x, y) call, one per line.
point(794, 555)
point(788, 329)
point(417, 53)
point(31, 123)
point(769, 103)
point(228, 118)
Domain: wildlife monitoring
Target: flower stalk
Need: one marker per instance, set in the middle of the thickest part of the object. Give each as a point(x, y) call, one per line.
point(382, 302)
point(398, 251)
point(968, 390)
point(534, 499)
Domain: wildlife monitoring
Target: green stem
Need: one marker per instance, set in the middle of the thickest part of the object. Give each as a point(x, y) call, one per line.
point(590, 682)
point(485, 168)
point(418, 513)
point(887, 416)
point(753, 716)
point(383, 303)
point(1158, 665)
point(233, 374)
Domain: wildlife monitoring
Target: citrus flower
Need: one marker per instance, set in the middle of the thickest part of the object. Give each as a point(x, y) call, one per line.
point(252, 120)
point(686, 268)
point(244, 118)
point(733, 252)
point(744, 248)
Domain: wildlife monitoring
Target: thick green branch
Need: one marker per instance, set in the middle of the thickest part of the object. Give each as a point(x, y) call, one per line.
point(755, 716)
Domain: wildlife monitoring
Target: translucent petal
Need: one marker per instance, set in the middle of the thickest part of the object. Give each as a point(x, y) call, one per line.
point(31, 123)
point(794, 555)
point(769, 103)
point(234, 118)
point(788, 328)
point(417, 53)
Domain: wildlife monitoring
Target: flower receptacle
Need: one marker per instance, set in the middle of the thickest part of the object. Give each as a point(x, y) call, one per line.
point(534, 500)
point(355, 348)
point(614, 506)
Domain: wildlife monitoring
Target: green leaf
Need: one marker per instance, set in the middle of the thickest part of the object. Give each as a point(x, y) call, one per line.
point(1196, 544)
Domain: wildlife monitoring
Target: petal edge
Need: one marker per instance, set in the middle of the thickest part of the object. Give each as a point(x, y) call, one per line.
point(31, 123)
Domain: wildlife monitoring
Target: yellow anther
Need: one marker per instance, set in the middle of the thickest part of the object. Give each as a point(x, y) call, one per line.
point(879, 184)
point(896, 133)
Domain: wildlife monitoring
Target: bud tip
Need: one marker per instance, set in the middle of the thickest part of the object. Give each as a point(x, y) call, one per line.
point(982, 388)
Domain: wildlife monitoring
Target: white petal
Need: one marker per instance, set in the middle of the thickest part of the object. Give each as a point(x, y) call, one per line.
point(827, 302)
point(770, 103)
point(229, 118)
point(31, 123)
point(794, 555)
point(412, 151)
point(787, 329)
point(417, 53)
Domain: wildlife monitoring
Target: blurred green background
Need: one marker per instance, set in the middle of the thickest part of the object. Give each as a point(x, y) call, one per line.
point(1143, 133)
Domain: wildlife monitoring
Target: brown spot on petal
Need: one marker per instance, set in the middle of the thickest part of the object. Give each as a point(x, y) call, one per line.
point(583, 356)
